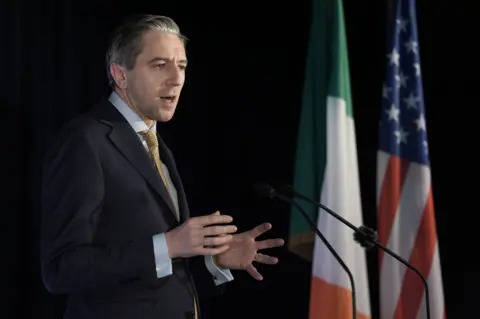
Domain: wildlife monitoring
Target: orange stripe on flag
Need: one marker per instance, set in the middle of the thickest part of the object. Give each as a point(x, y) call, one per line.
point(422, 255)
point(330, 301)
point(390, 198)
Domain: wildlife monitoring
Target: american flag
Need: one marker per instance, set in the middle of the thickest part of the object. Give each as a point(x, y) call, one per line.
point(406, 216)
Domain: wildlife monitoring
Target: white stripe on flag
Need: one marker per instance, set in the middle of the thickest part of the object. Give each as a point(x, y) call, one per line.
point(382, 164)
point(435, 289)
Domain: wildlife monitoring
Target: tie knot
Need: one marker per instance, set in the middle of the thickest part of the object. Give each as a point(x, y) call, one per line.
point(150, 138)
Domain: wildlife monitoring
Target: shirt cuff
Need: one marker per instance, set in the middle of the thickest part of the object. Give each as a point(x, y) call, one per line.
point(163, 262)
point(220, 275)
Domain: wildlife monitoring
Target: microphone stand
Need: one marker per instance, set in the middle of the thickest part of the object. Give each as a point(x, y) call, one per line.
point(272, 193)
point(367, 238)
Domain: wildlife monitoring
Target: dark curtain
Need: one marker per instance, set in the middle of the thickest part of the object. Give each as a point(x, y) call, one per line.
point(236, 125)
point(45, 82)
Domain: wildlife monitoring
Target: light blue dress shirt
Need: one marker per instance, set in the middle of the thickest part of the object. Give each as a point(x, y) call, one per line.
point(162, 260)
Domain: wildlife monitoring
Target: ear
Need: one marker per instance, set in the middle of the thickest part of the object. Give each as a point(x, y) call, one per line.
point(119, 74)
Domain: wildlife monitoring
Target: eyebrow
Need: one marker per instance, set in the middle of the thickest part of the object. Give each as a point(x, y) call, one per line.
point(158, 59)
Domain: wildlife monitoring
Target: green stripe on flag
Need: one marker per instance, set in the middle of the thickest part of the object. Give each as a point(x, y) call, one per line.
point(310, 156)
point(340, 73)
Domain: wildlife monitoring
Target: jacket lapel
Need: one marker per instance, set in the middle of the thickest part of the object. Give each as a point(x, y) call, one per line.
point(169, 161)
point(128, 143)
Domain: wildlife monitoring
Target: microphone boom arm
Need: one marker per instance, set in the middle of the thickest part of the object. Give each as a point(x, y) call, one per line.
point(329, 247)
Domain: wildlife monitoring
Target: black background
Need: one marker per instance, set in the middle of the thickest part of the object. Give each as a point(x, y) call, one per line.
point(236, 125)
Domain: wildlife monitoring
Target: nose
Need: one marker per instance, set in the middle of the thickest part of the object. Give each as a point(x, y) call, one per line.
point(177, 76)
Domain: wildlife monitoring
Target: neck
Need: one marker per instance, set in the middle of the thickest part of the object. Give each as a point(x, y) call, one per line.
point(124, 96)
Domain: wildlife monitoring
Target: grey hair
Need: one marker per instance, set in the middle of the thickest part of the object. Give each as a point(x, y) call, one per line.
point(126, 40)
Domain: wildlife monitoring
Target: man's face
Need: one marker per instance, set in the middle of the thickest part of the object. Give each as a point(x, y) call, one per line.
point(153, 86)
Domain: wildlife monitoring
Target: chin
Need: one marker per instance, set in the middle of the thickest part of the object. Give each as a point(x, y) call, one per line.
point(165, 116)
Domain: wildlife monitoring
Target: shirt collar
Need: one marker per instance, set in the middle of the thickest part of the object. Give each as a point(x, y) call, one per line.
point(132, 118)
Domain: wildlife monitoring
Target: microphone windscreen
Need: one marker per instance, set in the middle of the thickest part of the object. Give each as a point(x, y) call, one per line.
point(264, 190)
point(285, 189)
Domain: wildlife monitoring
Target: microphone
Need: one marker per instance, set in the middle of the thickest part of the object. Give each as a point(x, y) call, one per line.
point(267, 191)
point(365, 236)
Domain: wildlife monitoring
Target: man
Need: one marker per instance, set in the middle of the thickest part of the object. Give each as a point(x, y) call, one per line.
point(117, 236)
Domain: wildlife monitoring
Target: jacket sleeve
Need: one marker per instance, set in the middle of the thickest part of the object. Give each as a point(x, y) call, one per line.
point(72, 196)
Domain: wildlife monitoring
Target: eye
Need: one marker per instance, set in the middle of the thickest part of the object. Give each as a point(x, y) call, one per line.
point(160, 65)
point(182, 67)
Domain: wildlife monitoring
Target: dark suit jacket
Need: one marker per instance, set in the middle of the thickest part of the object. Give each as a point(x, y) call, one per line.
point(102, 202)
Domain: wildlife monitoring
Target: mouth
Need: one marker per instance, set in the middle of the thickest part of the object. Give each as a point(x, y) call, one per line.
point(168, 98)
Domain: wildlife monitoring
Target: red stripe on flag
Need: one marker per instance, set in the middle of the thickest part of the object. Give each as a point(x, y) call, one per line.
point(422, 258)
point(331, 301)
point(390, 195)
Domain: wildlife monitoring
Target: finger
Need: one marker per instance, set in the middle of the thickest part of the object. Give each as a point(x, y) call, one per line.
point(254, 272)
point(212, 219)
point(270, 243)
point(224, 234)
point(212, 251)
point(218, 230)
point(265, 259)
point(217, 241)
point(259, 230)
point(218, 213)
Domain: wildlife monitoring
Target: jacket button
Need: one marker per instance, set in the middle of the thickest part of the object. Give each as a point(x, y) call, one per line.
point(190, 315)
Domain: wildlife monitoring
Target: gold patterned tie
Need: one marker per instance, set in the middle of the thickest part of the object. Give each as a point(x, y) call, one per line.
point(152, 144)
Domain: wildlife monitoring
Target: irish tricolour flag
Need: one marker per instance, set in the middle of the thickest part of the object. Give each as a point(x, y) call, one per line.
point(326, 169)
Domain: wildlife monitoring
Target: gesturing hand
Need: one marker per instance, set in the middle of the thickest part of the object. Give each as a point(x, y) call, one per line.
point(243, 251)
point(192, 237)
